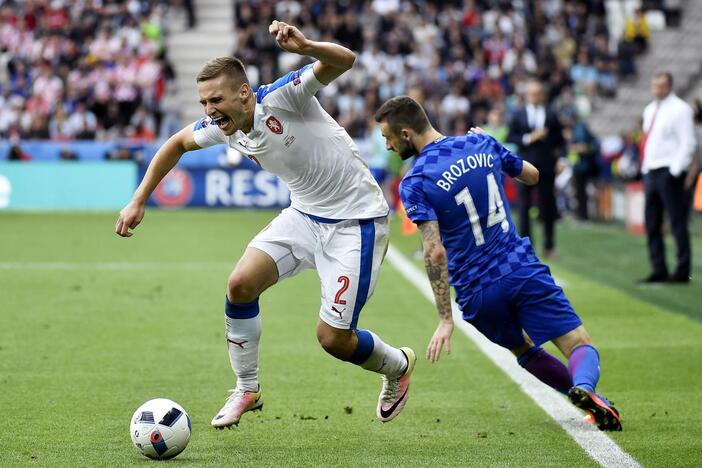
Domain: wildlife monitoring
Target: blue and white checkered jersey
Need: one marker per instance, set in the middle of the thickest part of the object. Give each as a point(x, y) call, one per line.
point(294, 138)
point(457, 181)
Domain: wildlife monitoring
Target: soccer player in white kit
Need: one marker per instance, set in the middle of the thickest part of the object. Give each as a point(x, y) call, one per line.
point(337, 221)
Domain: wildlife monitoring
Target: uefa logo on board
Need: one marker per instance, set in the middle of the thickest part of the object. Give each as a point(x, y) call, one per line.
point(175, 190)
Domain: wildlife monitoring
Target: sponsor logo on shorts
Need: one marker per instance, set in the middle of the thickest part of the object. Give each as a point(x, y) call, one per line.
point(340, 312)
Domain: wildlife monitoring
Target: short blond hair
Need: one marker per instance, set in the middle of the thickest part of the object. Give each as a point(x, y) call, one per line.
point(230, 66)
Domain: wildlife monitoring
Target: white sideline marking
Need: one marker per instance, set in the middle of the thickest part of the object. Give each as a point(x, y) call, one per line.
point(595, 443)
point(113, 266)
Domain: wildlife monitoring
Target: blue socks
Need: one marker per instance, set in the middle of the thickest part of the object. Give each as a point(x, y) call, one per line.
point(547, 368)
point(584, 367)
point(241, 311)
point(364, 348)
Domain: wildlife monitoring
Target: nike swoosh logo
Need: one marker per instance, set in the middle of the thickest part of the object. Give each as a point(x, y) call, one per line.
point(387, 413)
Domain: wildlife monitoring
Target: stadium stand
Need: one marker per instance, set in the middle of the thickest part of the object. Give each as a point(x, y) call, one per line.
point(107, 59)
point(98, 69)
point(189, 48)
point(73, 69)
point(463, 58)
point(673, 45)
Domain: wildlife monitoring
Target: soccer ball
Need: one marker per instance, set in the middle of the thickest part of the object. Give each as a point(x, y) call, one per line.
point(160, 429)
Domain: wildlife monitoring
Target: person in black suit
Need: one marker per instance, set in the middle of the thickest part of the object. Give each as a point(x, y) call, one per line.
point(538, 134)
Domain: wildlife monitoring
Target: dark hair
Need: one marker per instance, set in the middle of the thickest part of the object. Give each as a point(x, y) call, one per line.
point(230, 66)
point(664, 74)
point(403, 112)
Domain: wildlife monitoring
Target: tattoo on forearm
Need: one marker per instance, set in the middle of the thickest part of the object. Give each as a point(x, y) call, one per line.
point(437, 270)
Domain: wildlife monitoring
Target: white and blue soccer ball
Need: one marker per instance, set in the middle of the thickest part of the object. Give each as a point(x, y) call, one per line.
point(160, 429)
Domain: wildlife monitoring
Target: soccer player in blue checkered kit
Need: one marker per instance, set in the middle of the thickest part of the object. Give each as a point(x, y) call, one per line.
point(337, 222)
point(454, 194)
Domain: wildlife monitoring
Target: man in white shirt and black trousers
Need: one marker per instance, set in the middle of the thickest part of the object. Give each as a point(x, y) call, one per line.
point(667, 149)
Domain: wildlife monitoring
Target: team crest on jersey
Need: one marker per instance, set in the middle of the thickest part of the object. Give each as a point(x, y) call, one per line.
point(274, 125)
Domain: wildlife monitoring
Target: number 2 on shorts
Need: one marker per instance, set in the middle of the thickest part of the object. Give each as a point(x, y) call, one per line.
point(344, 280)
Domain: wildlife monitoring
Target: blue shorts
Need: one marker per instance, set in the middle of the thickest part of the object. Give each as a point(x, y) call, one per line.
point(527, 299)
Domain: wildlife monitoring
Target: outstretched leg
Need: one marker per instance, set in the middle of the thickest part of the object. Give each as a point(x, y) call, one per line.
point(584, 368)
point(255, 272)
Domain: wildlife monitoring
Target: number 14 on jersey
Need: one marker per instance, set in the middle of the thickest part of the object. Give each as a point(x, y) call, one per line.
point(496, 210)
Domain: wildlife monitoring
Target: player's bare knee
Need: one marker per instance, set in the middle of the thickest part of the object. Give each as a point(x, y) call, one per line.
point(579, 341)
point(241, 289)
point(337, 342)
point(328, 341)
point(571, 340)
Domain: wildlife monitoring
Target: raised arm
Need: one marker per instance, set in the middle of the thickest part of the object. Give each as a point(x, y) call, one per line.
point(165, 159)
point(333, 59)
point(437, 271)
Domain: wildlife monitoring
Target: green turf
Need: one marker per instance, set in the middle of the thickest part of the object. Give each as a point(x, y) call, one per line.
point(651, 354)
point(92, 325)
point(610, 255)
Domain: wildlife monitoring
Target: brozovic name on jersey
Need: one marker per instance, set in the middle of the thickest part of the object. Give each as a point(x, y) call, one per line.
point(463, 166)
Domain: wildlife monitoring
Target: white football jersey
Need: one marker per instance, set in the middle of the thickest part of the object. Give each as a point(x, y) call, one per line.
point(294, 138)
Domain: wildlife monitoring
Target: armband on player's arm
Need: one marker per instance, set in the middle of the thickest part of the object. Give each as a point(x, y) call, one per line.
point(437, 269)
point(529, 174)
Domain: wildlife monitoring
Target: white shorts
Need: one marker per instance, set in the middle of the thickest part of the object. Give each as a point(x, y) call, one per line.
point(347, 256)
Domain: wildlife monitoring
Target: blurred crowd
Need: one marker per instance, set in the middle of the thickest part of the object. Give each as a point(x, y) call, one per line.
point(82, 69)
point(98, 69)
point(468, 62)
point(462, 58)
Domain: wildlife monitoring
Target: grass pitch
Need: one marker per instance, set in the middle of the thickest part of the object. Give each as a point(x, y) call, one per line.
point(92, 325)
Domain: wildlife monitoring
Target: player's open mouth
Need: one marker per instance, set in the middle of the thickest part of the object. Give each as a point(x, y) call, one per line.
point(222, 122)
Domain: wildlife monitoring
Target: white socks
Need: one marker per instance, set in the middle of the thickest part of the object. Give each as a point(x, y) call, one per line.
point(384, 359)
point(243, 336)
